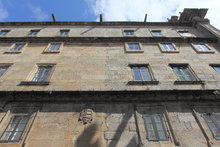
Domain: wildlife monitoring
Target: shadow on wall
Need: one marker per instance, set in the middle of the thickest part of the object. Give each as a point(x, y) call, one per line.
point(90, 137)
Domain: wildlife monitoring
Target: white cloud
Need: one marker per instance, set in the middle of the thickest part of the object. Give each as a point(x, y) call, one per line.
point(3, 12)
point(37, 13)
point(157, 10)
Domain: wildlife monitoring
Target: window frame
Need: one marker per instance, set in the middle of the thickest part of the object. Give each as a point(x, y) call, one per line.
point(29, 79)
point(68, 30)
point(128, 50)
point(179, 32)
point(210, 50)
point(127, 30)
point(153, 80)
point(163, 50)
point(151, 31)
point(164, 126)
point(7, 31)
point(46, 50)
point(37, 30)
point(8, 65)
point(178, 81)
point(12, 51)
point(215, 65)
point(23, 131)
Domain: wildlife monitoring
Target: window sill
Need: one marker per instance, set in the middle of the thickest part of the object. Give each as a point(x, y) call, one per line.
point(130, 51)
point(188, 82)
point(143, 82)
point(51, 52)
point(12, 52)
point(205, 52)
point(164, 51)
point(32, 83)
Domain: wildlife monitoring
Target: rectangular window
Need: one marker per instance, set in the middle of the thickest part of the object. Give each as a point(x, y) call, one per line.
point(128, 32)
point(3, 69)
point(134, 46)
point(183, 73)
point(156, 33)
point(141, 73)
point(201, 47)
point(43, 73)
point(155, 127)
point(18, 46)
point(4, 32)
point(64, 32)
point(33, 32)
point(168, 46)
point(54, 47)
point(185, 33)
point(15, 128)
point(213, 121)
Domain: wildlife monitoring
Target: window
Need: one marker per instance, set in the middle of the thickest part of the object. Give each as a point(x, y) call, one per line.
point(184, 73)
point(43, 73)
point(141, 73)
point(128, 32)
point(168, 46)
point(18, 46)
point(54, 47)
point(201, 47)
point(134, 46)
point(185, 33)
point(15, 128)
point(33, 32)
point(155, 127)
point(3, 69)
point(4, 32)
point(213, 121)
point(216, 68)
point(156, 33)
point(64, 32)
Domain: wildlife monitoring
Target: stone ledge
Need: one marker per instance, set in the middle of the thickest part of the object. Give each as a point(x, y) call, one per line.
point(32, 83)
point(143, 82)
point(188, 82)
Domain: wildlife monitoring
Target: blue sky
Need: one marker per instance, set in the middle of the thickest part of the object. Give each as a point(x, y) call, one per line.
point(112, 10)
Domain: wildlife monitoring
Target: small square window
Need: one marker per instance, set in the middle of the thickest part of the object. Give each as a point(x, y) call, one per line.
point(33, 32)
point(156, 33)
point(15, 128)
point(64, 32)
point(134, 46)
point(168, 46)
point(213, 121)
point(43, 73)
point(128, 32)
point(4, 32)
point(185, 33)
point(3, 69)
point(216, 68)
point(53, 47)
point(202, 48)
point(155, 128)
point(185, 74)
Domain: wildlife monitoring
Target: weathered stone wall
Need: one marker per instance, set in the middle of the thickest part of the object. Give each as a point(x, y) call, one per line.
point(114, 125)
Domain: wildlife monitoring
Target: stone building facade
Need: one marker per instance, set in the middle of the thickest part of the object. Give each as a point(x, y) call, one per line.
point(116, 84)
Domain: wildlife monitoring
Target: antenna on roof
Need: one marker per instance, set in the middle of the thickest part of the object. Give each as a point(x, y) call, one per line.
point(100, 18)
point(145, 18)
point(54, 18)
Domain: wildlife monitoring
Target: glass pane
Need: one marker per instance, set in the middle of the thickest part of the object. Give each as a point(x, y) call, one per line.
point(134, 46)
point(20, 127)
point(162, 135)
point(151, 136)
point(18, 46)
point(11, 127)
point(136, 73)
point(15, 119)
point(145, 74)
point(54, 47)
point(159, 127)
point(3, 70)
point(147, 119)
point(150, 127)
point(16, 136)
point(6, 136)
point(25, 119)
point(42, 73)
point(217, 68)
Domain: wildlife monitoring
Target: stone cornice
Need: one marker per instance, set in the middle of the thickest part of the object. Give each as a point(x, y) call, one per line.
point(105, 39)
point(111, 96)
point(116, 23)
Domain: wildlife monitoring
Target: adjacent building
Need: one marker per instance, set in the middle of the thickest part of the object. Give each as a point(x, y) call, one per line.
point(115, 84)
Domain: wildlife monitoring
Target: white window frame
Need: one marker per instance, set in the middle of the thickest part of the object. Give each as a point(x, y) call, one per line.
point(46, 50)
point(210, 50)
point(128, 50)
point(163, 50)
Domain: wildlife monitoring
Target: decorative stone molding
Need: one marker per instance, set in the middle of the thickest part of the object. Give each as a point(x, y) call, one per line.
point(86, 116)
